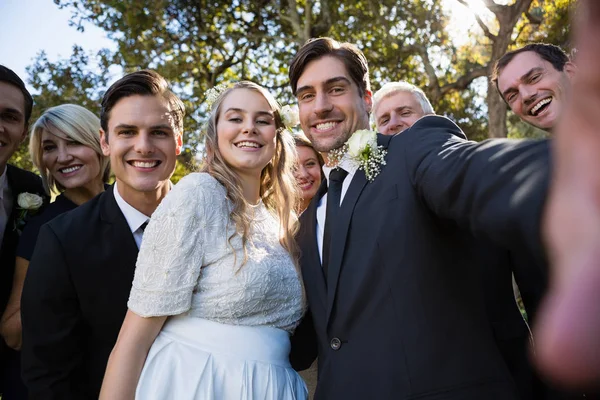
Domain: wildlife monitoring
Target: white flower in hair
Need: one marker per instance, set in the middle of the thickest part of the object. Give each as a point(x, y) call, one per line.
point(212, 94)
point(290, 116)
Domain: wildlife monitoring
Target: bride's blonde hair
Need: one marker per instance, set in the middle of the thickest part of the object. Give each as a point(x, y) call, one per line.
point(278, 189)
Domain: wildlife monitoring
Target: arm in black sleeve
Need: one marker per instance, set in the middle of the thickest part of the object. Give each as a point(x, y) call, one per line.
point(50, 315)
point(304, 344)
point(496, 188)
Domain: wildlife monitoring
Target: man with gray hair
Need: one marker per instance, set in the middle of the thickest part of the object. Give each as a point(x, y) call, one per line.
point(398, 105)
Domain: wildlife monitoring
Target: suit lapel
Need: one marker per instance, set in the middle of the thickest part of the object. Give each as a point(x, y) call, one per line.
point(312, 269)
point(116, 227)
point(11, 237)
point(340, 233)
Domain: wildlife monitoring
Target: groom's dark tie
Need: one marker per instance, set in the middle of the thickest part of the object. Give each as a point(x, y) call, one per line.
point(334, 193)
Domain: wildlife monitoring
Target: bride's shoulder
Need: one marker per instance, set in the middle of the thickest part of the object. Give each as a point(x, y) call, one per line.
point(201, 181)
point(200, 184)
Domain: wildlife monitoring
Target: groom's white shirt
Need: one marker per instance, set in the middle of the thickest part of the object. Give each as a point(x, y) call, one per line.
point(135, 218)
point(351, 168)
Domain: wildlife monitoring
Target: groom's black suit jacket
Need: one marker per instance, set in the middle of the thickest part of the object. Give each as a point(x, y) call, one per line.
point(75, 299)
point(401, 314)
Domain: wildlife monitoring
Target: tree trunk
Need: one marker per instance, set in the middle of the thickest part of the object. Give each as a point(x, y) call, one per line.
point(507, 17)
point(496, 113)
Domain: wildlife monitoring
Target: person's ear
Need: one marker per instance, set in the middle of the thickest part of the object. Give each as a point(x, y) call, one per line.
point(368, 99)
point(24, 133)
point(104, 143)
point(570, 69)
point(179, 143)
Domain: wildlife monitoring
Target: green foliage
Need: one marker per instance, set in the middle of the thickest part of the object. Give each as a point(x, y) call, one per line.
point(552, 23)
point(197, 44)
point(518, 129)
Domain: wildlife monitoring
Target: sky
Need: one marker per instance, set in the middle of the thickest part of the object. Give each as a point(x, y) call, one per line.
point(30, 26)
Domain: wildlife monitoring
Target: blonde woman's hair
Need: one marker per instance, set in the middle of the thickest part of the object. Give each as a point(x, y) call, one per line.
point(74, 123)
point(278, 189)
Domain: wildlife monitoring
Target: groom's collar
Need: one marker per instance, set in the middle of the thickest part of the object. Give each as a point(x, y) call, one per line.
point(345, 164)
point(384, 140)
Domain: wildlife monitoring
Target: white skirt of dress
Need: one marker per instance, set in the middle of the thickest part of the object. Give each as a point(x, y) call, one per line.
point(194, 358)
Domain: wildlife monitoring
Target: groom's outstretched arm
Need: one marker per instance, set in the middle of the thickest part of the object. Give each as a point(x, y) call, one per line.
point(304, 344)
point(496, 188)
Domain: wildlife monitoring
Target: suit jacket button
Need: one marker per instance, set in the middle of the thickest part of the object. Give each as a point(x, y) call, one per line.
point(335, 343)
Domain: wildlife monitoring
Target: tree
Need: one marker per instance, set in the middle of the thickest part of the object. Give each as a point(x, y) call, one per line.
point(196, 44)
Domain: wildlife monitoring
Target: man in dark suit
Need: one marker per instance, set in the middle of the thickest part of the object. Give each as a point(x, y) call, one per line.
point(15, 110)
point(395, 297)
point(398, 106)
point(79, 278)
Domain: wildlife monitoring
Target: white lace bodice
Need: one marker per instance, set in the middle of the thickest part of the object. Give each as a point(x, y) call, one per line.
point(186, 264)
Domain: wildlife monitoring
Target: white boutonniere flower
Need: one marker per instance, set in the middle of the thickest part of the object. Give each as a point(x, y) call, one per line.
point(29, 201)
point(290, 116)
point(362, 150)
point(27, 204)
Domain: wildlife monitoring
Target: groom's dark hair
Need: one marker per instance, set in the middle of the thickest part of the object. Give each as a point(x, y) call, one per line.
point(354, 60)
point(144, 83)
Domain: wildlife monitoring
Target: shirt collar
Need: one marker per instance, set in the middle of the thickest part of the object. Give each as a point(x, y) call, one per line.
point(134, 217)
point(3, 182)
point(349, 166)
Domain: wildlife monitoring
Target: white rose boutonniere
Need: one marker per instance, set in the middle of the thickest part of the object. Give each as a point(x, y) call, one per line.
point(290, 116)
point(28, 204)
point(361, 149)
point(29, 201)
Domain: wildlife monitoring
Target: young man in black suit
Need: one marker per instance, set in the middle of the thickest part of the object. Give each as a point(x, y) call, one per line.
point(79, 277)
point(15, 110)
point(396, 306)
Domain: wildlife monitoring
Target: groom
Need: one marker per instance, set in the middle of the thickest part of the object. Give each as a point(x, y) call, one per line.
point(396, 310)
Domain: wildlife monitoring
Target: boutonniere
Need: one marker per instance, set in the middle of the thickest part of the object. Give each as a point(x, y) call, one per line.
point(28, 204)
point(362, 150)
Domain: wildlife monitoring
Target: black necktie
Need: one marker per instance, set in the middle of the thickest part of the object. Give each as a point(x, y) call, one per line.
point(334, 194)
point(143, 227)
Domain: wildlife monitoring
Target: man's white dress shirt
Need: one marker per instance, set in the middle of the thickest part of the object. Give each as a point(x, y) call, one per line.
point(135, 218)
point(351, 168)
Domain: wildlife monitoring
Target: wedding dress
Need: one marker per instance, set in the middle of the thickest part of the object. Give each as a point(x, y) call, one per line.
point(227, 336)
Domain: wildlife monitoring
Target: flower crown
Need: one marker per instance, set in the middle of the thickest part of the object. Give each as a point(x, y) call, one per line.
point(289, 114)
point(212, 94)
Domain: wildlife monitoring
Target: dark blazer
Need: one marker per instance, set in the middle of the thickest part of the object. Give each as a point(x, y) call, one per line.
point(75, 299)
point(19, 181)
point(401, 314)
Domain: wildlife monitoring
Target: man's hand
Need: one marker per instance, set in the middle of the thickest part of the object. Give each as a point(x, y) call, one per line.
point(568, 332)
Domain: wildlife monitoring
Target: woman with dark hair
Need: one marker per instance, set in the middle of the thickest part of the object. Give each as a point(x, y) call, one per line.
point(309, 172)
point(217, 291)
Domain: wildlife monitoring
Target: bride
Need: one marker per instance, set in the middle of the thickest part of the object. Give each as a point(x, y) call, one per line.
point(216, 292)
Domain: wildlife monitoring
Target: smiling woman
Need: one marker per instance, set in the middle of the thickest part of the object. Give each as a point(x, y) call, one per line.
point(65, 148)
point(309, 172)
point(218, 259)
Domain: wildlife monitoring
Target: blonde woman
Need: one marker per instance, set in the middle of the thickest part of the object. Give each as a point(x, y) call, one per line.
point(217, 292)
point(65, 148)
